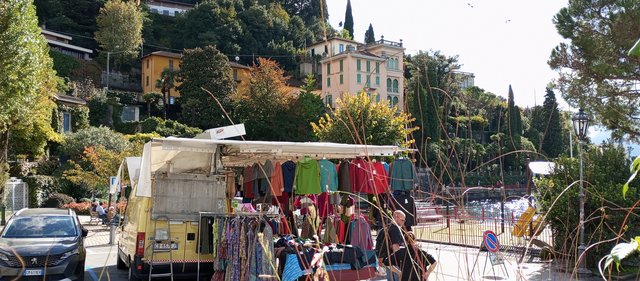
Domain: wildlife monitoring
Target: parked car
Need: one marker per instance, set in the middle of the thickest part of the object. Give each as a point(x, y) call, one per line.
point(44, 243)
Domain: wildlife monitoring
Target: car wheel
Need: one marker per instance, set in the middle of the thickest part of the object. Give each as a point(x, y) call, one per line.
point(120, 263)
point(132, 276)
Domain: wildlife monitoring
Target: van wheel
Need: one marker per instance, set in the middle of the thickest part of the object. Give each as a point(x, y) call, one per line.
point(132, 276)
point(120, 263)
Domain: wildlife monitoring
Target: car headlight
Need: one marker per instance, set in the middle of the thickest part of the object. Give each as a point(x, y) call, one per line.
point(4, 257)
point(69, 253)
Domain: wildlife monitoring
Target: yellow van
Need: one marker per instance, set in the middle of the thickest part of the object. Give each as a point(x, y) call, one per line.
point(160, 225)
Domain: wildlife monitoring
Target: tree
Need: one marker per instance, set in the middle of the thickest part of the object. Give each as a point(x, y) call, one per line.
point(552, 144)
point(360, 120)
point(77, 142)
point(72, 16)
point(209, 69)
point(27, 83)
point(307, 107)
point(120, 27)
point(214, 23)
point(596, 71)
point(94, 168)
point(348, 20)
point(165, 84)
point(369, 36)
point(263, 105)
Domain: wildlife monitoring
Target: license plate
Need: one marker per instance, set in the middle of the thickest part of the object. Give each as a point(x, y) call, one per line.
point(33, 272)
point(165, 246)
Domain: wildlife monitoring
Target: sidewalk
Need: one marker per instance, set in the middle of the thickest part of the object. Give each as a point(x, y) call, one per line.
point(454, 262)
point(98, 233)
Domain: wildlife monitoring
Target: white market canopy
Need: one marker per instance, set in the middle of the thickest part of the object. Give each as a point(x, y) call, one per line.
point(542, 167)
point(186, 155)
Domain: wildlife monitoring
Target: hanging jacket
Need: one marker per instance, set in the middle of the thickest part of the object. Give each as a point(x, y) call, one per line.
point(307, 179)
point(402, 175)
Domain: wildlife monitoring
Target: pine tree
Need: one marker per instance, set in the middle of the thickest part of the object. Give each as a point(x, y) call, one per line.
point(515, 120)
point(552, 140)
point(348, 20)
point(369, 36)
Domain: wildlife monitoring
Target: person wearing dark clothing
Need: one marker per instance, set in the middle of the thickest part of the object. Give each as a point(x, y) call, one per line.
point(403, 201)
point(415, 264)
point(389, 240)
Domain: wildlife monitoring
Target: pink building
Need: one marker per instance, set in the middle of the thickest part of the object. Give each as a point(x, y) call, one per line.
point(348, 67)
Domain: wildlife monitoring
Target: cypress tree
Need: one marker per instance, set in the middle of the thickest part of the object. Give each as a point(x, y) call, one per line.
point(348, 20)
point(552, 143)
point(369, 36)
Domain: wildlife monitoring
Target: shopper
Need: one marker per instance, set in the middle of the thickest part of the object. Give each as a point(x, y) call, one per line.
point(414, 263)
point(389, 240)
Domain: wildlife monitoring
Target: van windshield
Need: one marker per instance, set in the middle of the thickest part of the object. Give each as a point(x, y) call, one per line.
point(40, 226)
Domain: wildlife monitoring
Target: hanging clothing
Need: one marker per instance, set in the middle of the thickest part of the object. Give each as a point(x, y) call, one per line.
point(325, 207)
point(257, 169)
point(264, 176)
point(380, 178)
point(361, 234)
point(402, 174)
point(307, 176)
point(277, 183)
point(248, 182)
point(344, 176)
point(361, 176)
point(288, 175)
point(330, 232)
point(328, 176)
point(402, 200)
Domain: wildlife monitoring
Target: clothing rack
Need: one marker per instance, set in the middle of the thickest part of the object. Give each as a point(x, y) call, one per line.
point(225, 215)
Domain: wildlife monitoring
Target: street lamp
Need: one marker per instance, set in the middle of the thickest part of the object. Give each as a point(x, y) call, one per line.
point(581, 127)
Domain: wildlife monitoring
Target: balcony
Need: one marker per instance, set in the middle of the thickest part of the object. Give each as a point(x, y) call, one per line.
point(382, 41)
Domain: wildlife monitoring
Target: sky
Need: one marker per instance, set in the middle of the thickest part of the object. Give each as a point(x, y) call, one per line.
point(502, 42)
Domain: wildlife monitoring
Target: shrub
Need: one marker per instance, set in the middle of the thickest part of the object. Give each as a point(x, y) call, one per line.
point(168, 128)
point(58, 200)
point(85, 200)
point(81, 208)
point(94, 137)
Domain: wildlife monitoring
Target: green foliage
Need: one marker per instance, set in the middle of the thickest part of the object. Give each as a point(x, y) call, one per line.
point(76, 143)
point(120, 27)
point(41, 186)
point(72, 16)
point(142, 138)
point(27, 83)
point(64, 65)
point(369, 36)
point(263, 105)
point(94, 167)
point(57, 200)
point(205, 68)
point(79, 117)
point(596, 72)
point(167, 128)
point(605, 208)
point(348, 20)
point(552, 142)
point(357, 119)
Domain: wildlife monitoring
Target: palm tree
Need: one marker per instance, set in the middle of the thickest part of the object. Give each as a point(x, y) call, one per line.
point(165, 84)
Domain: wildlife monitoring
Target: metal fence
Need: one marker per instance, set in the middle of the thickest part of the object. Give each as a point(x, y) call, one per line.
point(15, 195)
point(449, 225)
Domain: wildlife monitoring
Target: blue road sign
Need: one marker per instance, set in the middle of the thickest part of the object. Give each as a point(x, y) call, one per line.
point(490, 240)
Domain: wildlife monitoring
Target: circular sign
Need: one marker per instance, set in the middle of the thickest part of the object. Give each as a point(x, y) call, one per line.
point(491, 241)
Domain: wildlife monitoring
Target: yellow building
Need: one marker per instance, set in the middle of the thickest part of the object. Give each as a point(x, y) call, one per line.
point(153, 64)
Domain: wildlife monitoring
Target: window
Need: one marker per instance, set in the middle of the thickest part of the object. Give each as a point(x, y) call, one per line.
point(368, 66)
point(395, 85)
point(358, 65)
point(377, 97)
point(172, 100)
point(165, 12)
point(341, 79)
point(359, 78)
point(130, 113)
point(341, 48)
point(147, 64)
point(171, 64)
point(328, 68)
point(377, 80)
point(378, 67)
point(388, 84)
point(389, 100)
point(154, 10)
point(328, 81)
point(147, 81)
point(329, 100)
point(341, 63)
point(368, 81)
point(395, 101)
point(66, 122)
point(235, 74)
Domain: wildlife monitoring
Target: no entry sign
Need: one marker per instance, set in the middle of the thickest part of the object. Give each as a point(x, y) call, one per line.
point(490, 240)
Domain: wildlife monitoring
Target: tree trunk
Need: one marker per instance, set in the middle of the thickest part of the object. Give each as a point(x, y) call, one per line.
point(4, 145)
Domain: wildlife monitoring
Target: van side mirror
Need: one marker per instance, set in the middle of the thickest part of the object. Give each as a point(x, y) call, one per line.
point(85, 232)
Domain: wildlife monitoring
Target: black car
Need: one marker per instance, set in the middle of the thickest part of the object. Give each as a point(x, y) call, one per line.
point(45, 243)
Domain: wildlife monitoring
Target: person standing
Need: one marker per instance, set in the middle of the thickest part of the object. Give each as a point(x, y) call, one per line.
point(414, 263)
point(389, 240)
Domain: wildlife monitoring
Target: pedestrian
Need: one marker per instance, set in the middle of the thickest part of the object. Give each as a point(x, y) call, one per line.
point(102, 214)
point(389, 240)
point(415, 263)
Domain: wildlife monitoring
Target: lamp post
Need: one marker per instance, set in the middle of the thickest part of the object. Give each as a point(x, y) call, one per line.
point(581, 126)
